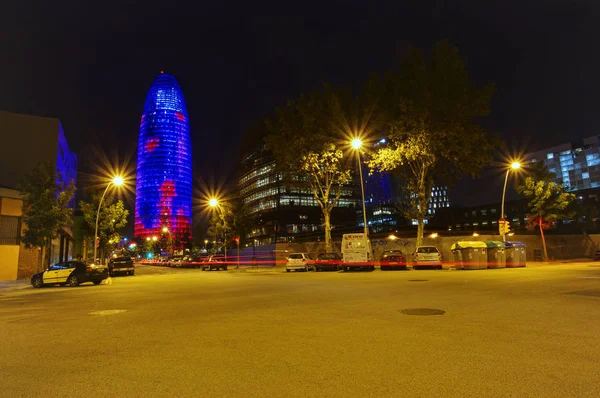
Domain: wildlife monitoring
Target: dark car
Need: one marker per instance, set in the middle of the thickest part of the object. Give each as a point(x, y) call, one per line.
point(328, 262)
point(121, 265)
point(392, 260)
point(71, 273)
point(214, 262)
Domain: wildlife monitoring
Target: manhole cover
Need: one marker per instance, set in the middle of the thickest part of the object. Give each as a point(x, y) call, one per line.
point(418, 280)
point(423, 311)
point(106, 312)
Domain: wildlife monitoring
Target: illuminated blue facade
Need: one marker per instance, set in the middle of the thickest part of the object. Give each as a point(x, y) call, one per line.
point(164, 164)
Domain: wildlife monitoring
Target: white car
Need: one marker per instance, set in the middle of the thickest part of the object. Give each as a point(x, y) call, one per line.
point(300, 262)
point(427, 256)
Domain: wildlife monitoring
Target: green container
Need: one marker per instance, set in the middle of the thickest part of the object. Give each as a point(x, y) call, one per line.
point(496, 254)
point(470, 255)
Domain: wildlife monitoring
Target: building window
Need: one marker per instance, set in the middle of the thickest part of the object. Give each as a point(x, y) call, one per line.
point(493, 210)
point(10, 230)
point(550, 156)
point(483, 212)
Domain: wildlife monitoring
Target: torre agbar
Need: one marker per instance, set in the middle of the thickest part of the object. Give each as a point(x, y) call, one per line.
point(163, 203)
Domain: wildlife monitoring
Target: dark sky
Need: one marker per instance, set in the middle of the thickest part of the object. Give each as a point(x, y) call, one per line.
point(91, 63)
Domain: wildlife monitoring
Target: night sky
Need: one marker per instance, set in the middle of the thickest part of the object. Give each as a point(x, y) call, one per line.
point(92, 65)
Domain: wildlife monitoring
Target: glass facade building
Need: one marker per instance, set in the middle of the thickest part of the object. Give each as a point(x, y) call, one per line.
point(285, 211)
point(164, 164)
point(576, 165)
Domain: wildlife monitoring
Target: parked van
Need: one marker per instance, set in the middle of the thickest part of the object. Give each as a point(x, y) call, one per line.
point(357, 252)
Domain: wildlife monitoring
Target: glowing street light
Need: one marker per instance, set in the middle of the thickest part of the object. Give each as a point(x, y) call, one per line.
point(117, 181)
point(513, 166)
point(214, 203)
point(165, 230)
point(392, 237)
point(475, 234)
point(433, 235)
point(155, 238)
point(356, 145)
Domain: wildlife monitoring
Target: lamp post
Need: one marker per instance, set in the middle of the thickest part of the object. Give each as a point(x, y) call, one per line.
point(513, 166)
point(116, 181)
point(214, 202)
point(356, 145)
point(170, 238)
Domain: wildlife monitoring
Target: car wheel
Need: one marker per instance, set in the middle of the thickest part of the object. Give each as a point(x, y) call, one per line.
point(225, 268)
point(131, 273)
point(287, 270)
point(37, 282)
point(111, 273)
point(73, 281)
point(306, 268)
point(96, 282)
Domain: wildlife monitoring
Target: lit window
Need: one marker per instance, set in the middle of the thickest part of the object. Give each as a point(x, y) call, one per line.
point(550, 156)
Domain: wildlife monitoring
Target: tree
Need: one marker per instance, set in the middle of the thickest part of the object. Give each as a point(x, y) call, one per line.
point(307, 148)
point(45, 207)
point(429, 110)
point(220, 224)
point(548, 202)
point(112, 217)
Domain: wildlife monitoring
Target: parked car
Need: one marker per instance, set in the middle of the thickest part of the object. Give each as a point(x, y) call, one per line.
point(328, 262)
point(299, 262)
point(214, 262)
point(176, 262)
point(427, 256)
point(72, 273)
point(392, 260)
point(121, 265)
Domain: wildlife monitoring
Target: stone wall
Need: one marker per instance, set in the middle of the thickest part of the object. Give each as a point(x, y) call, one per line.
point(559, 246)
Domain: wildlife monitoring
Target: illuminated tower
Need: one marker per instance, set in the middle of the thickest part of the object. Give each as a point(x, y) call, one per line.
point(164, 164)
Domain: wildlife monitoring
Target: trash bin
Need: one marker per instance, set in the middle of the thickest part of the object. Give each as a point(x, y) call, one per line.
point(469, 255)
point(515, 254)
point(496, 254)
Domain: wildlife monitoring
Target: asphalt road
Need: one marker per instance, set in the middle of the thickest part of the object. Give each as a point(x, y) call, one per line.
point(188, 333)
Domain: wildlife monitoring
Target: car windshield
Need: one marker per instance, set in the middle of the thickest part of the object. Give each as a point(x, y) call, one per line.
point(296, 256)
point(427, 249)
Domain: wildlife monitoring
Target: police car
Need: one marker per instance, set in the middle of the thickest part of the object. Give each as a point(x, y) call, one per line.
point(70, 273)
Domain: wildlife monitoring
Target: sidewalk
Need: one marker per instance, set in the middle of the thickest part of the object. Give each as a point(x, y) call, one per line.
point(13, 285)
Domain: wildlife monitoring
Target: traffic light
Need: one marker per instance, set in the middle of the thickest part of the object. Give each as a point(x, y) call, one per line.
point(504, 227)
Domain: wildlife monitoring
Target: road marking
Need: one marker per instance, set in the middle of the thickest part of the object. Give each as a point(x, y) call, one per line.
point(106, 312)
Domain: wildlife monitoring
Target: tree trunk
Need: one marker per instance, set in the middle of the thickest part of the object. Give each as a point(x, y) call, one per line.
point(543, 239)
point(43, 248)
point(327, 219)
point(420, 230)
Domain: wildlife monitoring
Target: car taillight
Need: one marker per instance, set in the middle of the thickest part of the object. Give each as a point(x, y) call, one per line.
point(89, 270)
point(303, 260)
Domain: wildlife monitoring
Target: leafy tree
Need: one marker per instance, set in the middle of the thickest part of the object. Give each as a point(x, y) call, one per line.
point(220, 225)
point(45, 207)
point(113, 216)
point(305, 141)
point(548, 202)
point(430, 112)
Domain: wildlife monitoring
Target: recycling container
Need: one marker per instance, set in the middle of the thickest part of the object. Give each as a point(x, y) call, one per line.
point(515, 254)
point(469, 255)
point(496, 254)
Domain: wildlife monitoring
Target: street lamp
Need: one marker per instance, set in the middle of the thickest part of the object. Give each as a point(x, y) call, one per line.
point(214, 203)
point(117, 182)
point(170, 238)
point(356, 145)
point(513, 166)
